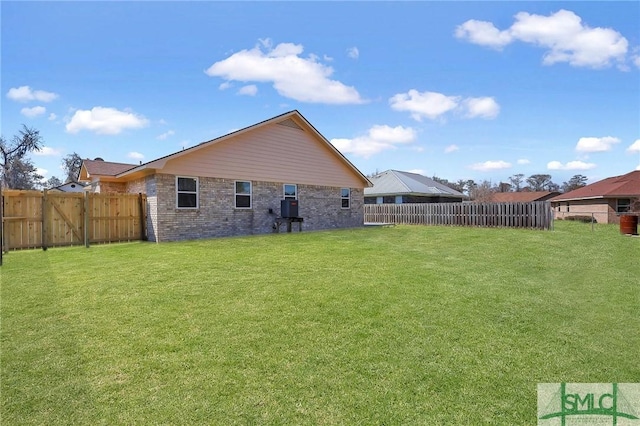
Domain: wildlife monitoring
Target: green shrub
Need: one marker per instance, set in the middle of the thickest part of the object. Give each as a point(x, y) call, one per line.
point(584, 219)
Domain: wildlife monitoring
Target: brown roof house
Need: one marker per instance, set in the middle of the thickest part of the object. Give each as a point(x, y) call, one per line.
point(605, 199)
point(522, 196)
point(234, 184)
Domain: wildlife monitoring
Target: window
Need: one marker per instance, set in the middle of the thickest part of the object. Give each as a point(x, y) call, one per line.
point(345, 195)
point(243, 194)
point(623, 205)
point(290, 191)
point(567, 207)
point(186, 192)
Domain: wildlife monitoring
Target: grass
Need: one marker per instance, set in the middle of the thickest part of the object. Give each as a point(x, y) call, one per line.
point(402, 325)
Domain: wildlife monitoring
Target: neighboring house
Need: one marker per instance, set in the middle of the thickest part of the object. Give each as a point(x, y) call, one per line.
point(605, 199)
point(70, 186)
point(522, 196)
point(396, 187)
point(233, 185)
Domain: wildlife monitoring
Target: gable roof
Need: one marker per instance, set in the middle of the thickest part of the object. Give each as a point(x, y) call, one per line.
point(291, 119)
point(395, 182)
point(522, 196)
point(623, 186)
point(95, 168)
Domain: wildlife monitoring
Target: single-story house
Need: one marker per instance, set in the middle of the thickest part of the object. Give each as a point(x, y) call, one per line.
point(396, 187)
point(234, 184)
point(522, 196)
point(71, 186)
point(605, 199)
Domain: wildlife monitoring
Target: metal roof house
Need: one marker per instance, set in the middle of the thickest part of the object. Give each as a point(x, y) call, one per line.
point(397, 187)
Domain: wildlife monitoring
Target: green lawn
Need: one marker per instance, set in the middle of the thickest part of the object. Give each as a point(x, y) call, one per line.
point(400, 325)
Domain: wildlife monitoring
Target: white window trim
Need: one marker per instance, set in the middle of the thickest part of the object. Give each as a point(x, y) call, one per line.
point(345, 198)
point(197, 192)
point(284, 192)
point(235, 194)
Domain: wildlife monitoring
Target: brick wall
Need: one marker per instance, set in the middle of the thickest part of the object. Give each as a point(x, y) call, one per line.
point(603, 210)
point(147, 185)
point(216, 216)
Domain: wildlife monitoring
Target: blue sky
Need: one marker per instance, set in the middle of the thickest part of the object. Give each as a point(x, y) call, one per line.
point(461, 90)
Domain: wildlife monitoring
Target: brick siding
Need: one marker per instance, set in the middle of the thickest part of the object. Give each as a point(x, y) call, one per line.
point(216, 216)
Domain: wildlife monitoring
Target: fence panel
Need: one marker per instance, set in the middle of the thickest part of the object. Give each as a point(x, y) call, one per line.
point(536, 215)
point(33, 219)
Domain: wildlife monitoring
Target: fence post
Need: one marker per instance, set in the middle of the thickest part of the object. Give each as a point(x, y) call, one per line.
point(143, 217)
point(85, 217)
point(44, 220)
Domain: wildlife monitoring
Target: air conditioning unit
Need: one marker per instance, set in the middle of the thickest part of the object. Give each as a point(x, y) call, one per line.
point(288, 208)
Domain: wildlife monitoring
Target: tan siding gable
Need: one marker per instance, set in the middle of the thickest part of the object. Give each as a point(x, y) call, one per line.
point(277, 153)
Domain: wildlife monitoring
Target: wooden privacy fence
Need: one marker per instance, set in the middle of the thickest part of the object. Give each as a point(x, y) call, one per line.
point(33, 219)
point(536, 215)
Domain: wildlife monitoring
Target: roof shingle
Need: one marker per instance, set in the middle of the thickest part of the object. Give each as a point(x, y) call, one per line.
point(627, 185)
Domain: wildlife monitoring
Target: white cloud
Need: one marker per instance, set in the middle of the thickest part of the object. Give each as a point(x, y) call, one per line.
point(481, 107)
point(292, 76)
point(523, 161)
point(47, 151)
point(425, 104)
point(636, 61)
point(353, 53)
point(105, 121)
point(571, 165)
point(379, 138)
point(592, 144)
point(451, 148)
point(33, 112)
point(42, 172)
point(224, 86)
point(165, 135)
point(26, 94)
point(433, 105)
point(563, 34)
point(488, 166)
point(135, 155)
point(634, 147)
point(52, 117)
point(483, 33)
point(249, 90)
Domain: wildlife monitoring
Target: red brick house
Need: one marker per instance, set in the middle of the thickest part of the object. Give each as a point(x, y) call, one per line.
point(605, 199)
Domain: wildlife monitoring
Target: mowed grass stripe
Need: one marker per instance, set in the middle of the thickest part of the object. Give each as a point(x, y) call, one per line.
point(402, 325)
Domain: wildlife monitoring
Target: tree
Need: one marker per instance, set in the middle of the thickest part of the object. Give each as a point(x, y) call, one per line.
point(577, 181)
point(482, 192)
point(539, 182)
point(14, 165)
point(52, 182)
point(23, 175)
point(516, 181)
point(71, 165)
point(504, 187)
point(470, 186)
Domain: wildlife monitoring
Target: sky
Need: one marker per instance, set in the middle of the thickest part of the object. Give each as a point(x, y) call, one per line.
point(459, 90)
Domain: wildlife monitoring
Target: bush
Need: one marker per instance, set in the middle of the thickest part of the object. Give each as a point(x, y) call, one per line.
point(584, 219)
